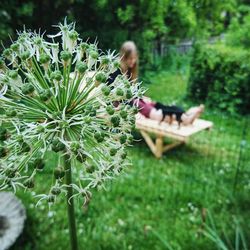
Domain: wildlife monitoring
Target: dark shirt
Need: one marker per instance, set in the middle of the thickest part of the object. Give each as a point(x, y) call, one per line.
point(113, 75)
point(144, 107)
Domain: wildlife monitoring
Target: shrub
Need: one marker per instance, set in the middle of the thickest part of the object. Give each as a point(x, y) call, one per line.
point(220, 76)
point(238, 33)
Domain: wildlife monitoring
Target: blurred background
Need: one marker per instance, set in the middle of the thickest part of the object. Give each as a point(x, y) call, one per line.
point(196, 196)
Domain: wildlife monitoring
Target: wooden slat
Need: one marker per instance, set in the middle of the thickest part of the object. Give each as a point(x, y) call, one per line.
point(172, 145)
point(172, 131)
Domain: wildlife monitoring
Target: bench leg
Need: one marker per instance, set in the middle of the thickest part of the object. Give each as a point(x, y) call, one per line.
point(159, 147)
point(172, 145)
point(149, 141)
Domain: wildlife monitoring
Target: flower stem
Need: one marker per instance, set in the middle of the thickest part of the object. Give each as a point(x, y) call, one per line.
point(70, 205)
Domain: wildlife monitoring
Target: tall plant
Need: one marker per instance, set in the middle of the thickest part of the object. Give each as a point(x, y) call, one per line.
point(55, 97)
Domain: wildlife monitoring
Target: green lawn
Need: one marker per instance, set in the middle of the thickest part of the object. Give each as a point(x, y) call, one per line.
point(159, 204)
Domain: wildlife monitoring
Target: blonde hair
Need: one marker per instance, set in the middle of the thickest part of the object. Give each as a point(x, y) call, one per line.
point(126, 50)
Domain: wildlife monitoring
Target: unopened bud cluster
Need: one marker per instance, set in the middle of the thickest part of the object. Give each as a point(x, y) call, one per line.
point(54, 96)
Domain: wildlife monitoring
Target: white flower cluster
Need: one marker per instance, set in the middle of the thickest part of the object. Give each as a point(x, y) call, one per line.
point(55, 96)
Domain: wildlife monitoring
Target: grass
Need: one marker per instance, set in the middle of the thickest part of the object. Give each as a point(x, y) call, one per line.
point(160, 204)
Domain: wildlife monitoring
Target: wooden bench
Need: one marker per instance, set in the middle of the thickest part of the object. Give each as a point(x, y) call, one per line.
point(159, 130)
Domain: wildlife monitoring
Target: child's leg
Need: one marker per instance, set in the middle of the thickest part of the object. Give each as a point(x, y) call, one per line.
point(195, 109)
point(156, 114)
point(192, 114)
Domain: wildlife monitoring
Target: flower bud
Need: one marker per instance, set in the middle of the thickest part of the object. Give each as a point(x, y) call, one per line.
point(25, 55)
point(87, 119)
point(73, 35)
point(84, 46)
point(40, 129)
point(119, 92)
point(123, 139)
point(39, 163)
point(25, 147)
point(29, 183)
point(13, 74)
point(7, 53)
point(127, 83)
point(59, 172)
point(55, 191)
point(28, 89)
point(45, 95)
point(75, 146)
point(101, 77)
point(3, 134)
point(132, 119)
point(105, 60)
point(38, 40)
point(51, 198)
point(115, 120)
point(110, 110)
point(10, 112)
point(116, 64)
point(65, 56)
point(11, 173)
point(81, 157)
point(130, 139)
point(90, 169)
point(123, 114)
point(44, 59)
point(113, 151)
point(87, 109)
point(124, 155)
point(57, 145)
point(92, 113)
point(19, 138)
point(135, 110)
point(15, 47)
point(106, 90)
point(81, 67)
point(93, 54)
point(129, 94)
point(56, 75)
point(99, 136)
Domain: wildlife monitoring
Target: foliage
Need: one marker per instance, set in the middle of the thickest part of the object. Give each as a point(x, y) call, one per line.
point(238, 33)
point(219, 76)
point(224, 242)
point(173, 61)
point(14, 14)
point(51, 102)
point(113, 22)
point(214, 16)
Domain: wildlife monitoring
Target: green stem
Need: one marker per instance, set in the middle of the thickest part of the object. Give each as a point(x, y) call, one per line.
point(70, 205)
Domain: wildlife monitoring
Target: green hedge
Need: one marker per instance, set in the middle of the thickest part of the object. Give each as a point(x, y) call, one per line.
point(220, 77)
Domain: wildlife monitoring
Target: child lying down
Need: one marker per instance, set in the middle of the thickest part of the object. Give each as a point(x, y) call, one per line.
point(167, 113)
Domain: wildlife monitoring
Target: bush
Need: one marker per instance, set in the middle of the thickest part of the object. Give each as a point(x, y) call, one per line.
point(220, 77)
point(238, 34)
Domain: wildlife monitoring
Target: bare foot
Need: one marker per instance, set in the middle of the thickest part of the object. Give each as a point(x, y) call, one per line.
point(192, 114)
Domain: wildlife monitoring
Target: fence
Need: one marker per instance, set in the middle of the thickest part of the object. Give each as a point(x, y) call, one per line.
point(162, 49)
